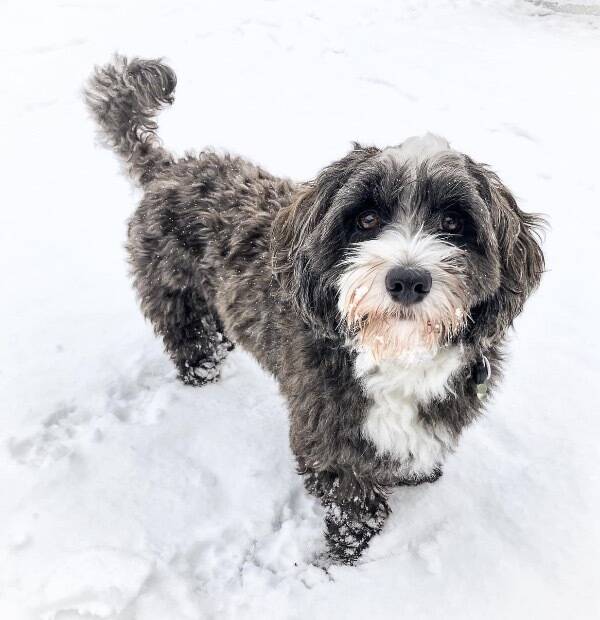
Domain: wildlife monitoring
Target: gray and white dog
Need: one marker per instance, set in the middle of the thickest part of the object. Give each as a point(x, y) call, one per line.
point(379, 294)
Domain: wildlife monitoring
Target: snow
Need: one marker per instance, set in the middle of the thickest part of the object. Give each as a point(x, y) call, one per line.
point(127, 495)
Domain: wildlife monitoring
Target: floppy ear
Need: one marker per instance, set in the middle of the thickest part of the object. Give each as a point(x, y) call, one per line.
point(520, 257)
point(299, 257)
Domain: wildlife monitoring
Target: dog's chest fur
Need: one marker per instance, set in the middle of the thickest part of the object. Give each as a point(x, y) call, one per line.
point(392, 422)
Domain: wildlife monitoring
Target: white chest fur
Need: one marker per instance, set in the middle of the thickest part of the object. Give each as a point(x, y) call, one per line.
point(392, 422)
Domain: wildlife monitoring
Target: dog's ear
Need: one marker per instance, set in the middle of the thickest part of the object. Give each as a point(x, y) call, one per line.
point(520, 256)
point(299, 256)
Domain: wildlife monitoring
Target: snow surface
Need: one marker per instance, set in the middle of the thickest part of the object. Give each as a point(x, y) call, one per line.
point(127, 495)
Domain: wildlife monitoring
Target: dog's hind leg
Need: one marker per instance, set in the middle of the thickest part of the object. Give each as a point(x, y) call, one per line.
point(191, 331)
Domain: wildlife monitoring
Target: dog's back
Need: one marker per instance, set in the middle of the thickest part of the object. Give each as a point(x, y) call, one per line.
point(199, 239)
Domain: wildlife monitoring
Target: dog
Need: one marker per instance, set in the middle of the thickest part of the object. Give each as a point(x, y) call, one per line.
point(378, 294)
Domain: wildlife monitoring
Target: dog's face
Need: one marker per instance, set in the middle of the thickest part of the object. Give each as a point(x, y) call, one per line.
point(405, 249)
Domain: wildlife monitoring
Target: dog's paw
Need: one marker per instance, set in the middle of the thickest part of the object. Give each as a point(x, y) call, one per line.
point(200, 374)
point(349, 533)
point(196, 368)
point(436, 474)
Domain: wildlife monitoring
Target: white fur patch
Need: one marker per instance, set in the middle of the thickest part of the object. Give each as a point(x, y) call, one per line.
point(397, 387)
point(416, 150)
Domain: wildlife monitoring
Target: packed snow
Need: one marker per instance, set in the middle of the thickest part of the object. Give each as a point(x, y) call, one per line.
point(127, 495)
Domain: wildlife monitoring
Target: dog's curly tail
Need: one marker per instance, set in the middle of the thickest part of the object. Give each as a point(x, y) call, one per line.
point(123, 97)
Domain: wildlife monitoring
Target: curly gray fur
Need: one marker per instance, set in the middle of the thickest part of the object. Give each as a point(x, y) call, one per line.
point(124, 97)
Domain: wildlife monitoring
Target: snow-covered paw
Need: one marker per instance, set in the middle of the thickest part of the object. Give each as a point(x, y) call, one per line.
point(197, 370)
point(200, 374)
point(349, 530)
point(436, 474)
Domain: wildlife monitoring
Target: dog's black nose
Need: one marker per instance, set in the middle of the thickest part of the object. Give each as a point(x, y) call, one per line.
point(408, 285)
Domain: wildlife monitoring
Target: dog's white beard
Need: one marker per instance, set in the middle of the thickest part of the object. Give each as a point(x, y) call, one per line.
point(384, 327)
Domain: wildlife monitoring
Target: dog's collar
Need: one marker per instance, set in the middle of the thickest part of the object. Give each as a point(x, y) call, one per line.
point(481, 375)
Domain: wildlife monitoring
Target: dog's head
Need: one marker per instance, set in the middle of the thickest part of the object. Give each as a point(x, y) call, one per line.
point(403, 249)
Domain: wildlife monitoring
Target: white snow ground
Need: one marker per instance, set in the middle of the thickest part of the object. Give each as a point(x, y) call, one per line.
point(126, 495)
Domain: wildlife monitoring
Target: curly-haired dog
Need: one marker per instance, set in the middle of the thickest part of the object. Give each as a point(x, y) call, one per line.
point(378, 294)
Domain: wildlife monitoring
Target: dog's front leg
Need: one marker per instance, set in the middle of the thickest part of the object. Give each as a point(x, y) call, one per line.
point(356, 510)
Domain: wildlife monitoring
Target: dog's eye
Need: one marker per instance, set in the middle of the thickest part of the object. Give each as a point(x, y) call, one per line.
point(452, 223)
point(368, 220)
